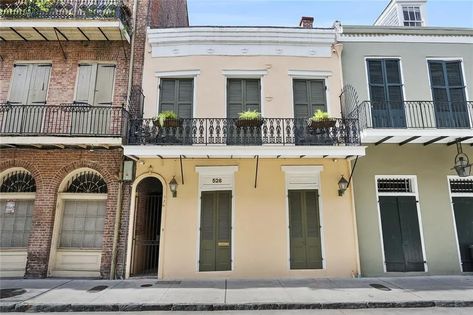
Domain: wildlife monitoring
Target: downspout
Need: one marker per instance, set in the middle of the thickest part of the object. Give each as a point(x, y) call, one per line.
point(117, 226)
point(132, 51)
point(355, 225)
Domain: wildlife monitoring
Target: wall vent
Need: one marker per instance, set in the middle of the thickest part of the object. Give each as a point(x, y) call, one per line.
point(394, 185)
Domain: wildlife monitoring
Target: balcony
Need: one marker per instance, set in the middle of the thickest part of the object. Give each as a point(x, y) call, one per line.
point(65, 20)
point(62, 124)
point(405, 122)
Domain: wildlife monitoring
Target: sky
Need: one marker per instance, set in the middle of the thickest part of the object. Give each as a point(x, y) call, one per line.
point(457, 13)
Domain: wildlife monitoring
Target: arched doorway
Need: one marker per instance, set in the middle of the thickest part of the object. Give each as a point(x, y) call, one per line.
point(147, 228)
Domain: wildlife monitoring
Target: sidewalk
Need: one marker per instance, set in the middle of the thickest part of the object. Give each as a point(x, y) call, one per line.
point(64, 295)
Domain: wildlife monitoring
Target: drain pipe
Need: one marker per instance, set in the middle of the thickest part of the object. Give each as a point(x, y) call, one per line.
point(117, 225)
point(132, 50)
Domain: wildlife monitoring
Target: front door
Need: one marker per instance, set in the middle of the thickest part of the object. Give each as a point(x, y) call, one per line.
point(463, 208)
point(215, 231)
point(401, 234)
point(304, 226)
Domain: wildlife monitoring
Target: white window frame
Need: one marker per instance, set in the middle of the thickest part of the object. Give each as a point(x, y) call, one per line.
point(411, 8)
point(179, 74)
point(414, 193)
point(224, 171)
point(451, 195)
point(291, 183)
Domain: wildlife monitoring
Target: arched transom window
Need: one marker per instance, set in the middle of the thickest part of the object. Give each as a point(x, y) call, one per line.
point(18, 181)
point(87, 182)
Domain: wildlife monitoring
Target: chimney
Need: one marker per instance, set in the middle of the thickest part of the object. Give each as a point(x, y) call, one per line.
point(307, 22)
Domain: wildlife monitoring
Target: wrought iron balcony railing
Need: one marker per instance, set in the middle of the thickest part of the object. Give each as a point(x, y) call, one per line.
point(228, 131)
point(414, 114)
point(79, 120)
point(66, 9)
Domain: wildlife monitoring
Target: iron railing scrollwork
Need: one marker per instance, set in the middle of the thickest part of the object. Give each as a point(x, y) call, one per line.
point(226, 131)
point(67, 9)
point(70, 119)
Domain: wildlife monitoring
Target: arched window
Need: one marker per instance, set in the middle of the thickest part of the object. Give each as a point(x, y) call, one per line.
point(18, 181)
point(87, 182)
point(16, 212)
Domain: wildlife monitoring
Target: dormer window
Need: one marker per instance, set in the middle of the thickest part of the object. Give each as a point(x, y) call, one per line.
point(412, 16)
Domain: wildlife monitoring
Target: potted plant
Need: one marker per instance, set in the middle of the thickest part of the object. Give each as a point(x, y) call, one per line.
point(321, 120)
point(249, 119)
point(167, 119)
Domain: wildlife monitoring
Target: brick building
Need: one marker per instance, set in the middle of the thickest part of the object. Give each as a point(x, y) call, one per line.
point(70, 73)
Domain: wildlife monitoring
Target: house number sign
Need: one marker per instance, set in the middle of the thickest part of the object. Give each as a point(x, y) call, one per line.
point(217, 180)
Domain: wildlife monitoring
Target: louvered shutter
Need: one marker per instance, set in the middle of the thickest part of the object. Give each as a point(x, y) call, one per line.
point(392, 237)
point(297, 232)
point(317, 96)
point(410, 233)
point(19, 85)
point(184, 98)
point(38, 86)
point(313, 242)
point(301, 99)
point(104, 85)
point(207, 232)
point(252, 95)
point(167, 95)
point(224, 230)
point(243, 95)
point(85, 84)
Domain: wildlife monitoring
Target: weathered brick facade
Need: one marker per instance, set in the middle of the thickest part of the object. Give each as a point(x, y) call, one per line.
point(50, 168)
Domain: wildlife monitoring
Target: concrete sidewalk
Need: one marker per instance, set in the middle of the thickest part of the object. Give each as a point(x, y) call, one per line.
point(150, 294)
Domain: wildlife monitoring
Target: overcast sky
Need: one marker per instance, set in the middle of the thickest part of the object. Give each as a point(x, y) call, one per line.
point(288, 12)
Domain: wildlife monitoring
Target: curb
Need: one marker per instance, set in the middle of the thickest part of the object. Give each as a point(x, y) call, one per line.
point(25, 307)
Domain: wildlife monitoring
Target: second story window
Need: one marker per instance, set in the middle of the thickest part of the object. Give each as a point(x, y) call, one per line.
point(448, 93)
point(411, 16)
point(243, 95)
point(29, 84)
point(387, 101)
point(176, 95)
point(95, 84)
point(309, 96)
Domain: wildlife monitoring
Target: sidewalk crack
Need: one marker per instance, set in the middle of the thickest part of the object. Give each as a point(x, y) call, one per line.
point(48, 290)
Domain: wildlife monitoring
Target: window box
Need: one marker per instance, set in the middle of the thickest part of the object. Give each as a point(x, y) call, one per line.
point(319, 124)
point(248, 123)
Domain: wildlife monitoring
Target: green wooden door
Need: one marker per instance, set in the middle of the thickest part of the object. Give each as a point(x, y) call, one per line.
point(304, 227)
point(463, 208)
point(215, 231)
point(401, 234)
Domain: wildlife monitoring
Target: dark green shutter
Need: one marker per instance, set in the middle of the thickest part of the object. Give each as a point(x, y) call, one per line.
point(243, 95)
point(463, 208)
point(304, 227)
point(448, 93)
point(401, 234)
point(387, 100)
point(177, 95)
point(309, 96)
point(215, 231)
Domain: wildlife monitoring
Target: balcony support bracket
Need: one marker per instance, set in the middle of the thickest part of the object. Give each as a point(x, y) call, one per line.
point(182, 171)
point(352, 171)
point(60, 45)
point(256, 170)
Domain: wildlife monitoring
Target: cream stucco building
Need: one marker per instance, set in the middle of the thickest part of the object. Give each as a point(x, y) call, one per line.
point(252, 200)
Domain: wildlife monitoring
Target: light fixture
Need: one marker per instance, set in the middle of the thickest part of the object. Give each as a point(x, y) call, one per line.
point(173, 187)
point(462, 163)
point(342, 186)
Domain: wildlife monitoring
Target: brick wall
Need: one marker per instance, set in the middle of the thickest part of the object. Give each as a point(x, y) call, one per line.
point(50, 168)
point(62, 81)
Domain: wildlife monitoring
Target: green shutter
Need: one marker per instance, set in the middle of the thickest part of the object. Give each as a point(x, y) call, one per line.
point(215, 231)
point(304, 227)
point(463, 208)
point(207, 232)
point(177, 95)
point(401, 234)
point(104, 85)
point(309, 96)
point(243, 95)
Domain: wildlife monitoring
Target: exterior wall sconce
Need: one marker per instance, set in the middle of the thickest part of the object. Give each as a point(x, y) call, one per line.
point(173, 187)
point(462, 163)
point(342, 186)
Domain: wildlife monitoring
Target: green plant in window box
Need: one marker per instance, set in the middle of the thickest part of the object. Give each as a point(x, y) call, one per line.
point(167, 119)
point(250, 118)
point(321, 119)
